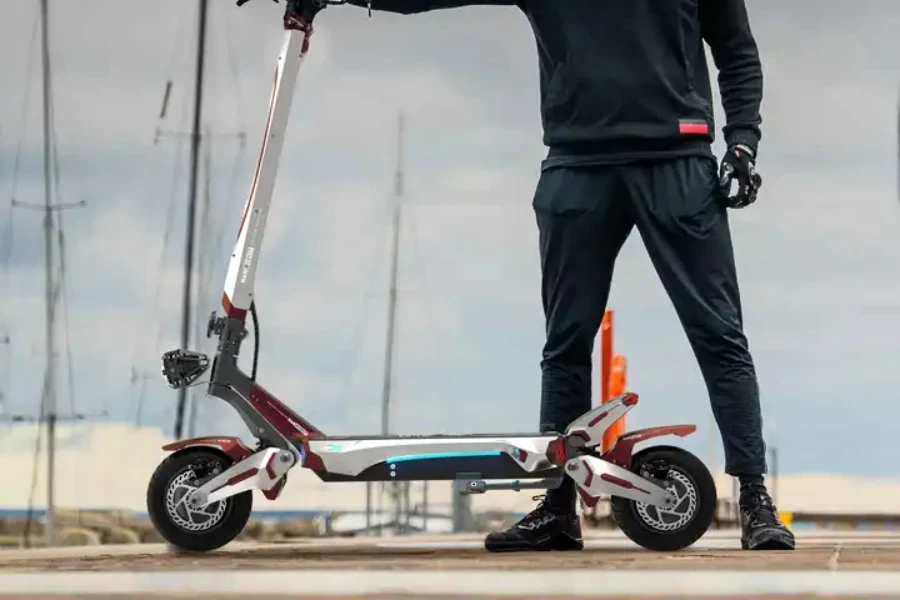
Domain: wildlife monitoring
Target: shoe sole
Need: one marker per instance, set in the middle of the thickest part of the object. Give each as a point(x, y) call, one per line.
point(511, 549)
point(775, 543)
point(565, 545)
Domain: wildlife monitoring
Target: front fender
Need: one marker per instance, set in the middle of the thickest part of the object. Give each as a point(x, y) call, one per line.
point(623, 449)
point(233, 447)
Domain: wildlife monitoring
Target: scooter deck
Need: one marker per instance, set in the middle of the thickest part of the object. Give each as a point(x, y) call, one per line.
point(441, 457)
point(438, 436)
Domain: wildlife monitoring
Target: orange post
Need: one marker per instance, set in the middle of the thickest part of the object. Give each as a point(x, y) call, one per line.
point(606, 333)
point(612, 377)
point(617, 382)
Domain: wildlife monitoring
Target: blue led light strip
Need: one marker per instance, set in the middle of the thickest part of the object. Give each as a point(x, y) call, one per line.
point(439, 455)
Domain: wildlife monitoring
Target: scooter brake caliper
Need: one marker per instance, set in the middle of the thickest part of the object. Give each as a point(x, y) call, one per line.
point(659, 472)
point(202, 471)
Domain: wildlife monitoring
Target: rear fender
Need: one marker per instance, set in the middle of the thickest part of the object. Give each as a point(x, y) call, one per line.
point(232, 447)
point(623, 450)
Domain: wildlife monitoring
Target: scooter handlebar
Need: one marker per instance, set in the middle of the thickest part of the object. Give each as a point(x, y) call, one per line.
point(300, 4)
point(301, 12)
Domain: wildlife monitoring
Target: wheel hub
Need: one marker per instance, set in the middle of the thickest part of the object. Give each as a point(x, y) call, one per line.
point(182, 505)
point(678, 512)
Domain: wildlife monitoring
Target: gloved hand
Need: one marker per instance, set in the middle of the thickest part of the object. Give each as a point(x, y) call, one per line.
point(739, 165)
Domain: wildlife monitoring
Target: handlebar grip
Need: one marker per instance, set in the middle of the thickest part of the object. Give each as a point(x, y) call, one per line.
point(305, 10)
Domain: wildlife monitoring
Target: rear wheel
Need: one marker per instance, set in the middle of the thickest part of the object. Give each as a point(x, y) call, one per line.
point(185, 527)
point(678, 527)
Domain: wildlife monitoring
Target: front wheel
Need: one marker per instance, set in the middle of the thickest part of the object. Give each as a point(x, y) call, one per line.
point(689, 518)
point(187, 528)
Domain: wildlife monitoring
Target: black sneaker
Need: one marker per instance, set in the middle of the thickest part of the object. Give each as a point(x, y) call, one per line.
point(761, 529)
point(541, 530)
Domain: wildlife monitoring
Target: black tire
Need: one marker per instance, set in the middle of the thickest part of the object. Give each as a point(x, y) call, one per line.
point(668, 533)
point(228, 517)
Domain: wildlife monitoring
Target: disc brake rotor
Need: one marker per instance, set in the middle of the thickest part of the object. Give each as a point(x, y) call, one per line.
point(680, 513)
point(185, 516)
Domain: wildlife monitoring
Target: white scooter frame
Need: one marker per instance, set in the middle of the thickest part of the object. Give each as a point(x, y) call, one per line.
point(477, 463)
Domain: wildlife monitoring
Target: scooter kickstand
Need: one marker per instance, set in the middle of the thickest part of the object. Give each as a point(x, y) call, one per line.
point(261, 470)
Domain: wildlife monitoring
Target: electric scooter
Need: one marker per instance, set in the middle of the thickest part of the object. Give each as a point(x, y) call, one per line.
point(200, 497)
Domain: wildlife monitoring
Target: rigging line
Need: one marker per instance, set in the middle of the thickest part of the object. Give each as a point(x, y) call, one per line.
point(218, 222)
point(236, 96)
point(63, 281)
point(214, 250)
point(203, 258)
point(151, 307)
point(170, 222)
point(173, 53)
point(17, 161)
point(35, 457)
point(207, 222)
point(359, 330)
point(154, 309)
point(42, 418)
point(25, 104)
point(66, 327)
point(7, 249)
point(5, 270)
point(220, 228)
point(7, 372)
point(430, 304)
point(152, 175)
point(64, 295)
point(402, 295)
point(202, 291)
point(234, 69)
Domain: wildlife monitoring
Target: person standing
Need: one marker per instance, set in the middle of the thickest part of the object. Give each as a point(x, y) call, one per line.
point(627, 115)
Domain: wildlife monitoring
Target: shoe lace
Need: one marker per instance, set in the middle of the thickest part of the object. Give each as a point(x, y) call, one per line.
point(761, 511)
point(539, 511)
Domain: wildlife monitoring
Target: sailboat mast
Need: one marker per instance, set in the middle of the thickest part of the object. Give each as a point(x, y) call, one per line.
point(392, 299)
point(396, 489)
point(192, 205)
point(49, 400)
point(201, 272)
point(387, 379)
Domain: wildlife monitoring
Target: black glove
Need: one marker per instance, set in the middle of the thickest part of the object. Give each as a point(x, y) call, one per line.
point(739, 165)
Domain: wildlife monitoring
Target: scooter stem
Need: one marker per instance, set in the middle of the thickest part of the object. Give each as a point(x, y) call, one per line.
point(239, 281)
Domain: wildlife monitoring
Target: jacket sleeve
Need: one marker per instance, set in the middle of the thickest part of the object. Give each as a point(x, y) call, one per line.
point(410, 7)
point(726, 28)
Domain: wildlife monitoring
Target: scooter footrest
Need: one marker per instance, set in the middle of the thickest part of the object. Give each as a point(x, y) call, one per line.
point(181, 368)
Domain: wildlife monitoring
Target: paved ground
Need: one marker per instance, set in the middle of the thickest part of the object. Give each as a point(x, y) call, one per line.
point(395, 596)
point(604, 552)
point(835, 565)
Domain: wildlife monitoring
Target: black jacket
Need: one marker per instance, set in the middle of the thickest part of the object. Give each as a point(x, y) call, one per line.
point(625, 80)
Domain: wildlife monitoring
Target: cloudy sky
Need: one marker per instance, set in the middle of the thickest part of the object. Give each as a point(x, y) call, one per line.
point(818, 255)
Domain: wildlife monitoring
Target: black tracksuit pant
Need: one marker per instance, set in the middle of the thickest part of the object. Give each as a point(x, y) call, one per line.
point(584, 215)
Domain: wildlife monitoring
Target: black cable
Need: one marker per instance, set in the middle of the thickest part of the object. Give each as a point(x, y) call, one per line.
point(255, 339)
